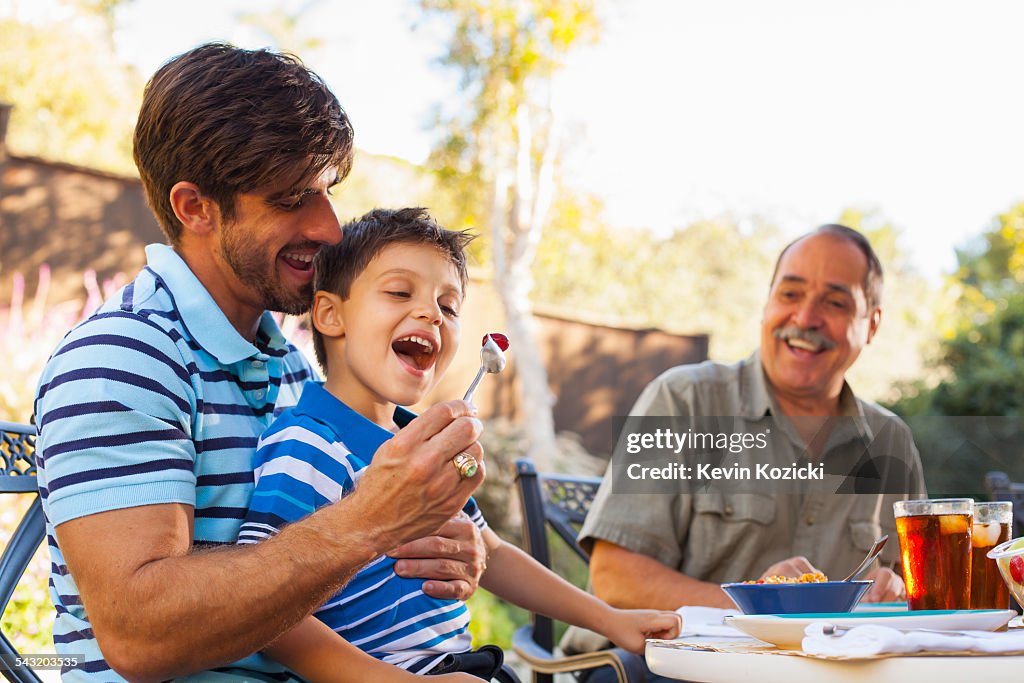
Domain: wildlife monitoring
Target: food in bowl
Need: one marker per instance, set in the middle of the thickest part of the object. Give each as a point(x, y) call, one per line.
point(794, 597)
point(1009, 557)
point(809, 577)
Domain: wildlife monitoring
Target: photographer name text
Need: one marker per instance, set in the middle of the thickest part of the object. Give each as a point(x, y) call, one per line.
point(709, 472)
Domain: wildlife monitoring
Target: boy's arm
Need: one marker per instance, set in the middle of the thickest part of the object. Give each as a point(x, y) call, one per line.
point(514, 576)
point(320, 655)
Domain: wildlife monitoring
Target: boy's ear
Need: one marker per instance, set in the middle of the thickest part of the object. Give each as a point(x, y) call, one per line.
point(326, 314)
point(198, 213)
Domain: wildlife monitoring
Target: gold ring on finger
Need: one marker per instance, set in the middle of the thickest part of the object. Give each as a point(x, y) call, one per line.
point(466, 465)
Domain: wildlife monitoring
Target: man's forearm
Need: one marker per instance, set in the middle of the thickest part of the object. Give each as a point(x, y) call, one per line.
point(614, 573)
point(158, 609)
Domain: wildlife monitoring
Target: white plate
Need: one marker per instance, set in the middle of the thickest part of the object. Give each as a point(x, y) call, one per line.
point(787, 630)
point(881, 607)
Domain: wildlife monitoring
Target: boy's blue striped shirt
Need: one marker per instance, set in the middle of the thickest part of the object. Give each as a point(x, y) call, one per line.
point(155, 399)
point(313, 455)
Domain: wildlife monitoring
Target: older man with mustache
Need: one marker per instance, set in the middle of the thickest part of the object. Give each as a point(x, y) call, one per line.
point(823, 308)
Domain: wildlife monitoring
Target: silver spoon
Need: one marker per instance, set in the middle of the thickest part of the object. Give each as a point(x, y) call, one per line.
point(492, 360)
point(872, 554)
point(833, 630)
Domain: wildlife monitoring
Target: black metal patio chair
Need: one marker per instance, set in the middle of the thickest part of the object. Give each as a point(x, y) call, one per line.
point(17, 457)
point(561, 502)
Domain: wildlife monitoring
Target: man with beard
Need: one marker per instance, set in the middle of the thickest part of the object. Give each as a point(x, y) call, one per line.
point(149, 411)
point(824, 306)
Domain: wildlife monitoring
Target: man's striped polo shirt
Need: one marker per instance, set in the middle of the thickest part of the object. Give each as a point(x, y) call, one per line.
point(156, 398)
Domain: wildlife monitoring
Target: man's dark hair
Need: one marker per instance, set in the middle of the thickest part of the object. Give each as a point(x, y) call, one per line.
point(872, 278)
point(233, 120)
point(337, 266)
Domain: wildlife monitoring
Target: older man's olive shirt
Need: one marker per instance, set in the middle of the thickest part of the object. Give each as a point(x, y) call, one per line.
point(721, 537)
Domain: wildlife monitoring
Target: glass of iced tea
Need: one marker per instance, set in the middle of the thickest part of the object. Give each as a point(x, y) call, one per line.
point(992, 522)
point(935, 546)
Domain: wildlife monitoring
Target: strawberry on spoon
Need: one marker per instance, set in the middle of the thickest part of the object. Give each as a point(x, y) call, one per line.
point(492, 359)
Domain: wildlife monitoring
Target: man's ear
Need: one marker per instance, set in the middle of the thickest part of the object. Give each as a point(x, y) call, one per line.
point(327, 314)
point(874, 321)
point(198, 213)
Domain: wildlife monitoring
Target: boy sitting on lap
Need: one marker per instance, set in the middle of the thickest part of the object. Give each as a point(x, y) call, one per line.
point(386, 327)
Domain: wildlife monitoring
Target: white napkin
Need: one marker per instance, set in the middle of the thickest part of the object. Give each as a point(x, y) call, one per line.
point(870, 640)
point(708, 621)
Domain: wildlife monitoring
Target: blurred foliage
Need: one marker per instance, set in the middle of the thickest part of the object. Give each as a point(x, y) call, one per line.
point(686, 282)
point(31, 330)
point(76, 100)
point(978, 369)
point(911, 310)
point(383, 181)
point(283, 26)
point(505, 52)
point(494, 620)
point(101, 9)
point(501, 147)
point(980, 361)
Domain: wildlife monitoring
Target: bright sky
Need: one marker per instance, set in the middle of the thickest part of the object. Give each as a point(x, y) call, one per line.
point(791, 109)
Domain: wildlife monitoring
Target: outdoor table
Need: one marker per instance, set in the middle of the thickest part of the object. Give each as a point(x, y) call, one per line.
point(774, 666)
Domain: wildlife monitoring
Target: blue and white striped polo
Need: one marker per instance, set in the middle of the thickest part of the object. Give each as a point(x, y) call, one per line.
point(156, 398)
point(314, 455)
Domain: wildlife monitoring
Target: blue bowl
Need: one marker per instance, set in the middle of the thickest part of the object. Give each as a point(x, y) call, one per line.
point(796, 598)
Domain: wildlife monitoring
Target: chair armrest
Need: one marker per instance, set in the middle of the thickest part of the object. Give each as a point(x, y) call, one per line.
point(628, 667)
point(22, 546)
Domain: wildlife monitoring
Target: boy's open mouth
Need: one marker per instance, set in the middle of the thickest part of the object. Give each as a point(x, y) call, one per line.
point(416, 351)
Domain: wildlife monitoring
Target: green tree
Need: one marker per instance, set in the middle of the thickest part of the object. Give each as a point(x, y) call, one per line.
point(708, 277)
point(74, 99)
point(981, 357)
point(378, 180)
point(501, 148)
point(282, 24)
point(979, 367)
point(910, 314)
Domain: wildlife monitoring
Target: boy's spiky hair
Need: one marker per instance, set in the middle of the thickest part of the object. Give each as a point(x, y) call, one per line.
point(337, 266)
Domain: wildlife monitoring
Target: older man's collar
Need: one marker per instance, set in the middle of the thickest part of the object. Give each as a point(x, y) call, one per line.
point(850, 406)
point(755, 400)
